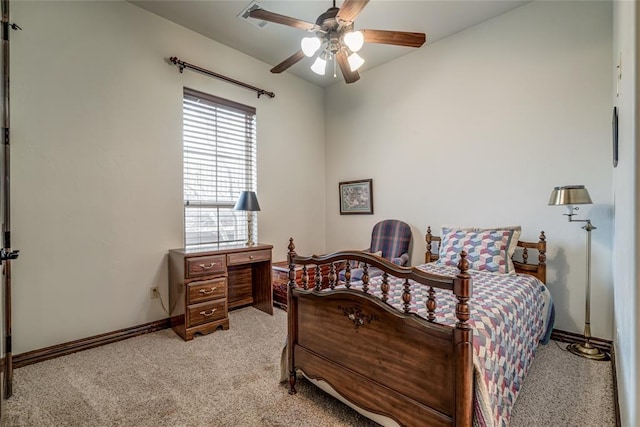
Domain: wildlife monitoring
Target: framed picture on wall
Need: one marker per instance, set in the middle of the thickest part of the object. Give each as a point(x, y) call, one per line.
point(356, 197)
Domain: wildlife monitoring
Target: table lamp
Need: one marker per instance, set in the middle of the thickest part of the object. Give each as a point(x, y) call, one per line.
point(568, 196)
point(248, 202)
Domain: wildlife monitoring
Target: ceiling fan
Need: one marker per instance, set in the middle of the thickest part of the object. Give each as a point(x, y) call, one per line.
point(335, 38)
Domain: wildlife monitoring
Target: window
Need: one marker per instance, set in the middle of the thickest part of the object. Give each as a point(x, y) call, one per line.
point(219, 162)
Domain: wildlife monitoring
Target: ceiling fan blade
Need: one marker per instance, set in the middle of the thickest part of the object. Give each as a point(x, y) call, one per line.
point(351, 9)
point(398, 38)
point(349, 76)
point(282, 19)
point(288, 62)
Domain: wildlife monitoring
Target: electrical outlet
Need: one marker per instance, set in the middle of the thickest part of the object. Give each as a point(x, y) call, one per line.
point(154, 293)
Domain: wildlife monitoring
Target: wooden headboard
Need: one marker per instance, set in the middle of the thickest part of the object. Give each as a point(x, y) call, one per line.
point(538, 270)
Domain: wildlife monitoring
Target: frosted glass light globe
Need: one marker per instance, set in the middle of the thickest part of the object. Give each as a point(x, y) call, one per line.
point(310, 45)
point(355, 61)
point(354, 40)
point(319, 66)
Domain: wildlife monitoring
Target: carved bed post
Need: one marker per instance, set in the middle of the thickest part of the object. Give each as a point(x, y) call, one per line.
point(347, 275)
point(317, 279)
point(463, 346)
point(332, 276)
point(292, 316)
point(385, 286)
point(428, 238)
point(542, 257)
point(365, 278)
point(305, 277)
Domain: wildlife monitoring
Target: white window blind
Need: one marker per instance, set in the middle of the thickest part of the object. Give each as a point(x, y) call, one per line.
point(219, 162)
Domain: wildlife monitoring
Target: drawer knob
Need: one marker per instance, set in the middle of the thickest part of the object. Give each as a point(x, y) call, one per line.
point(250, 256)
point(207, 267)
point(206, 314)
point(204, 291)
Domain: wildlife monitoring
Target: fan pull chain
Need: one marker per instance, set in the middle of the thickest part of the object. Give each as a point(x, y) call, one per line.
point(334, 66)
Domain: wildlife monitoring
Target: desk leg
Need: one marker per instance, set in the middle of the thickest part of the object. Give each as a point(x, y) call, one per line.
point(262, 290)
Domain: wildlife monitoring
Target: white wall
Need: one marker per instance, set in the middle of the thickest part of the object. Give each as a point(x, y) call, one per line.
point(625, 178)
point(96, 152)
point(97, 161)
point(477, 129)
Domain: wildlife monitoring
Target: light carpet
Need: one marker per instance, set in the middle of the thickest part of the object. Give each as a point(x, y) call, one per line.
point(230, 378)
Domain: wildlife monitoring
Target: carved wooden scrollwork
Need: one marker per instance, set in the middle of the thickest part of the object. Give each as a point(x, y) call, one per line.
point(357, 316)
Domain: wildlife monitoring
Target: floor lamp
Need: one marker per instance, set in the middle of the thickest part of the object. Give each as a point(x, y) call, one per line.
point(248, 201)
point(569, 196)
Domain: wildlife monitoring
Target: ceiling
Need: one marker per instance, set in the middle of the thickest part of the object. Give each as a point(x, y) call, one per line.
point(273, 43)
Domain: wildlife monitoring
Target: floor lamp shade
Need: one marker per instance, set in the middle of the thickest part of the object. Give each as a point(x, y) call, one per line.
point(248, 201)
point(570, 195)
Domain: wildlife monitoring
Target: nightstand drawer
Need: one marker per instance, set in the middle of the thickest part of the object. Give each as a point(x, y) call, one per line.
point(247, 257)
point(206, 312)
point(206, 290)
point(206, 266)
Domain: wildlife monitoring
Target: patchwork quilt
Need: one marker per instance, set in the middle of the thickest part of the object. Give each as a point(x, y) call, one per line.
point(510, 315)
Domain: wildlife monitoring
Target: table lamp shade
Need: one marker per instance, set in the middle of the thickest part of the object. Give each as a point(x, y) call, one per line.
point(247, 202)
point(570, 195)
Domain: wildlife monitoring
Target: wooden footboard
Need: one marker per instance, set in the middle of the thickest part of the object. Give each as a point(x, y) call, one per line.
point(389, 362)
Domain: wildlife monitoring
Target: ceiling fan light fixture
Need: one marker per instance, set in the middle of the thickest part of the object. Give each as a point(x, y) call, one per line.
point(319, 66)
point(355, 61)
point(335, 39)
point(310, 45)
point(354, 40)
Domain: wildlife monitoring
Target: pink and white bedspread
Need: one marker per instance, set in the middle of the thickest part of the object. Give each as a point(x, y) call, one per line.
point(510, 315)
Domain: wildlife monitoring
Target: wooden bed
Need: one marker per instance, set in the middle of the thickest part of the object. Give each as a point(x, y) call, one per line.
point(393, 363)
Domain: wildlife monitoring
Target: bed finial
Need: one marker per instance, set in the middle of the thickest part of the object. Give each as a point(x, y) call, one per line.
point(542, 248)
point(292, 266)
point(463, 264)
point(429, 239)
point(291, 245)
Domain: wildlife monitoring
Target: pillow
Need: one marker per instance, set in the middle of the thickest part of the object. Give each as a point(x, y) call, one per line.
point(517, 231)
point(487, 250)
point(379, 253)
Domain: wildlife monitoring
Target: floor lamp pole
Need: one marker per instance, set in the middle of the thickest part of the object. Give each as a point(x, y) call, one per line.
point(586, 349)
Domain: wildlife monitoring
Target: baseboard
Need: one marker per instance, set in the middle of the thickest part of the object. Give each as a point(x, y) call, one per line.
point(571, 337)
point(616, 402)
point(35, 356)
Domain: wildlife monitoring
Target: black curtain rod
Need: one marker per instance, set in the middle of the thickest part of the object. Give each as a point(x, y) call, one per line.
point(182, 65)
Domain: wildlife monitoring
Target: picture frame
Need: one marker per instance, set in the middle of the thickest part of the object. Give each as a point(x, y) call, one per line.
point(356, 197)
point(614, 135)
